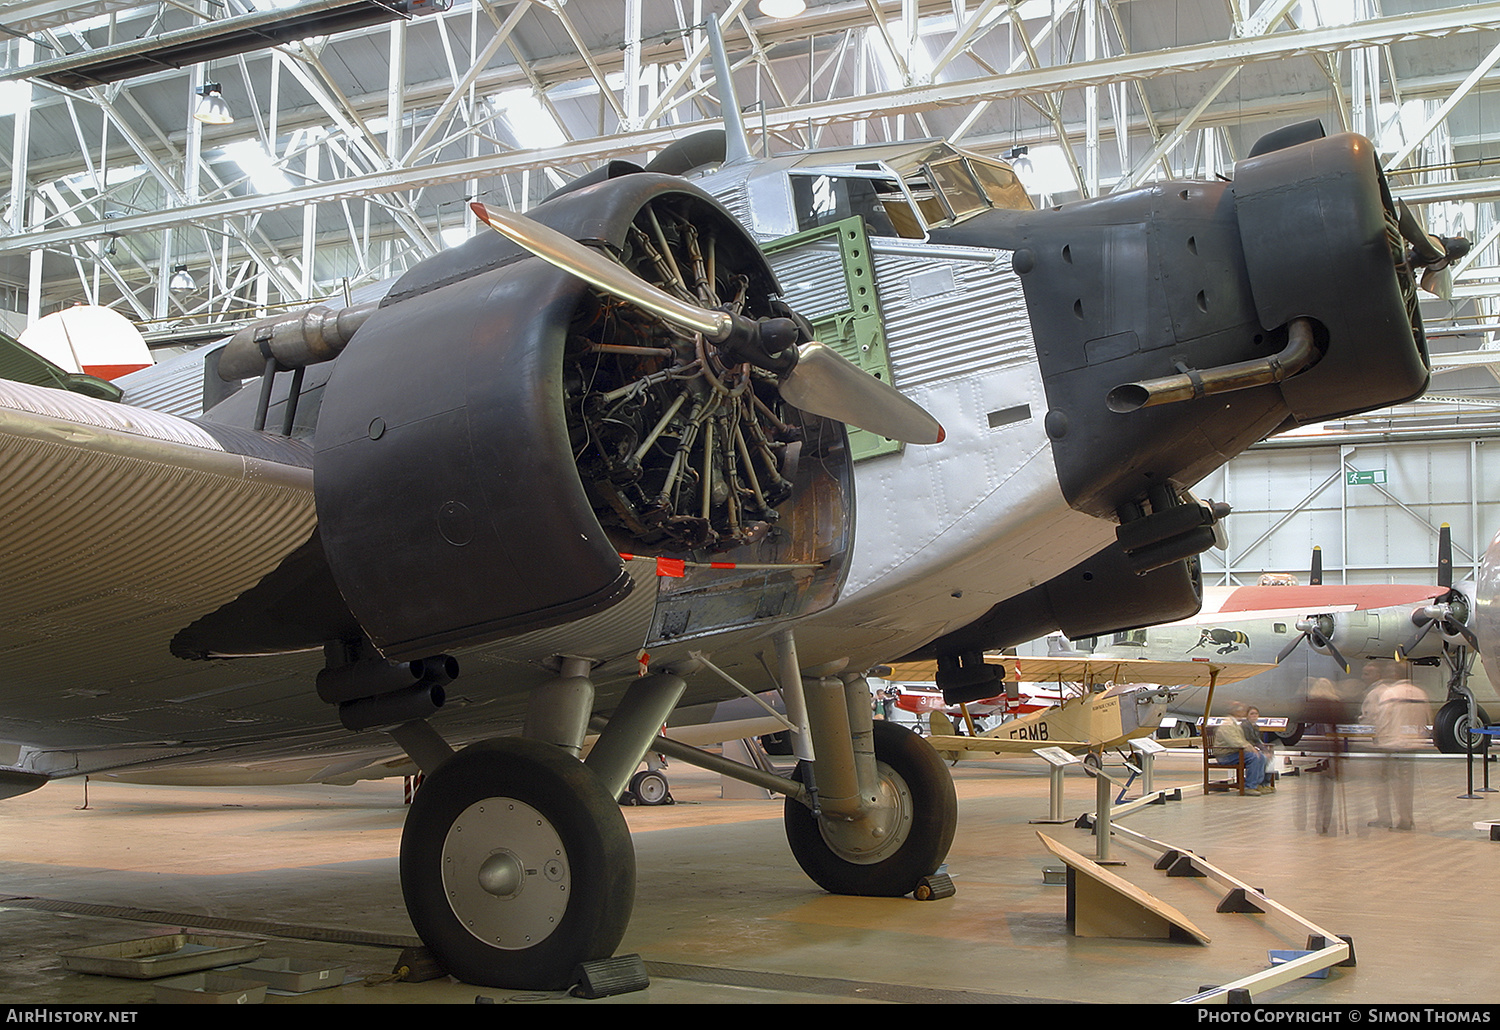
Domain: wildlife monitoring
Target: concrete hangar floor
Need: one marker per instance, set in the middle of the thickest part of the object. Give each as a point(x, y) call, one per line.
point(723, 914)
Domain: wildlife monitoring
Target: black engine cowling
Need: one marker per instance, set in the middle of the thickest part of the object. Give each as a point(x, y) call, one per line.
point(449, 433)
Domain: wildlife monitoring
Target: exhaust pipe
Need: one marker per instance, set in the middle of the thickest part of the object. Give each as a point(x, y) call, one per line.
point(1298, 355)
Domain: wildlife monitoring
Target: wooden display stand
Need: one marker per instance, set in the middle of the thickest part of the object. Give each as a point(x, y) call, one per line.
point(1102, 904)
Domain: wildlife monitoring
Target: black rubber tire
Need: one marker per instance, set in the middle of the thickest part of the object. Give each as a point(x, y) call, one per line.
point(596, 854)
point(1291, 739)
point(1450, 724)
point(934, 805)
point(650, 788)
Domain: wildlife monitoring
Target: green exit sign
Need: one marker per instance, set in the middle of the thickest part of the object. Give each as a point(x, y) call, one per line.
point(1368, 477)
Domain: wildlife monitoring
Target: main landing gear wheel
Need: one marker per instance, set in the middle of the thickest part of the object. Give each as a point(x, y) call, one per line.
point(516, 866)
point(1450, 728)
point(650, 788)
point(886, 854)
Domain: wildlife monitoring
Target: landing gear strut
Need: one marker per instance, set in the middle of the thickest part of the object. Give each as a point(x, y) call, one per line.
point(905, 837)
point(517, 864)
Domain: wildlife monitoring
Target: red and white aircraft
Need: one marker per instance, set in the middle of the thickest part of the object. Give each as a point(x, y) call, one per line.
point(1349, 634)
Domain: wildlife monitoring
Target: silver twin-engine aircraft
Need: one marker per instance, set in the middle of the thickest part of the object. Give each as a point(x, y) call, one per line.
point(662, 441)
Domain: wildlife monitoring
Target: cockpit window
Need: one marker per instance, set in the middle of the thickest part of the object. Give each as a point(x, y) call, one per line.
point(922, 188)
point(1000, 185)
point(823, 199)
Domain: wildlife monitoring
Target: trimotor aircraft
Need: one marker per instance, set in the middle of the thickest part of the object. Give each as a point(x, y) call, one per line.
point(516, 500)
point(1351, 635)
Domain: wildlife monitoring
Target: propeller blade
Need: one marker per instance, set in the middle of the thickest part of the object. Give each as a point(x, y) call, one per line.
point(1445, 557)
point(820, 381)
point(1333, 652)
point(1411, 645)
point(1468, 635)
point(1438, 282)
point(1315, 575)
point(1428, 250)
point(1290, 647)
point(825, 383)
point(599, 271)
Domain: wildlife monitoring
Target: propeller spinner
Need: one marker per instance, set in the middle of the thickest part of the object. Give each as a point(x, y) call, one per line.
point(812, 376)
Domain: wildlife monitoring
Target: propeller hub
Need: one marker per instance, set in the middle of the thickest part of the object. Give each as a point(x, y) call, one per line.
point(770, 344)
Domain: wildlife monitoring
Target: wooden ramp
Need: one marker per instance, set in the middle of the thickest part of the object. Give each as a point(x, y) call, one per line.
point(1101, 904)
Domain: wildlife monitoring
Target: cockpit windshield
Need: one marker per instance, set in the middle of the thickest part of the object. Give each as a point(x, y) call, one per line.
point(906, 191)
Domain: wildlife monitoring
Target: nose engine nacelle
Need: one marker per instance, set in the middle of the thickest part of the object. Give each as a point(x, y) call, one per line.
point(1206, 286)
point(496, 434)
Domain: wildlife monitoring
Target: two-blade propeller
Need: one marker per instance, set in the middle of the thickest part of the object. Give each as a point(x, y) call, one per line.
point(811, 376)
point(1450, 612)
point(1431, 253)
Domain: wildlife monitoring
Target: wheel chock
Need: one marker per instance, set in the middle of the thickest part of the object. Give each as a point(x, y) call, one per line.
point(934, 887)
point(417, 965)
point(610, 976)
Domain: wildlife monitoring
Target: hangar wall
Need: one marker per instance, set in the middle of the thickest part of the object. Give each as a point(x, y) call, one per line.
point(1373, 504)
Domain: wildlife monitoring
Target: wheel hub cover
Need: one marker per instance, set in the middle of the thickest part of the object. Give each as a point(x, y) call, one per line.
point(505, 873)
point(881, 831)
point(652, 788)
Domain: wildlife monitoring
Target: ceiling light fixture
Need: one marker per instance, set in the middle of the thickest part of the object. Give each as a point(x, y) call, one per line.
point(782, 9)
point(212, 109)
point(181, 281)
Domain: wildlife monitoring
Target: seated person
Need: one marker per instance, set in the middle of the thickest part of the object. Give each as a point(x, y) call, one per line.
point(1251, 726)
point(1230, 742)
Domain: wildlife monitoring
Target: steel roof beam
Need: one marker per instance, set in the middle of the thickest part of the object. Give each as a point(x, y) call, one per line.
point(1022, 84)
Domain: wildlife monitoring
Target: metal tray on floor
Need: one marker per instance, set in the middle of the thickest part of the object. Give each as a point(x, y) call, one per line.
point(209, 989)
point(279, 975)
point(170, 954)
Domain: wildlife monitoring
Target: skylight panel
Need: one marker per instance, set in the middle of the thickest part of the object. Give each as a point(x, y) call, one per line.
point(530, 123)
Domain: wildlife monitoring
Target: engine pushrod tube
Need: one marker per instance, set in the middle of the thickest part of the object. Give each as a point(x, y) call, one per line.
point(1297, 355)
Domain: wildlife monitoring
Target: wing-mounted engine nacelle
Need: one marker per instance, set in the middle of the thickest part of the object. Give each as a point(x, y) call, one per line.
point(1359, 634)
point(1211, 314)
point(1347, 637)
point(1103, 595)
point(496, 433)
point(1444, 623)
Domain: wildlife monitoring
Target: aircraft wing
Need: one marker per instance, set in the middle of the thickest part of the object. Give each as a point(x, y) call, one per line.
point(1102, 670)
point(1003, 745)
point(122, 526)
